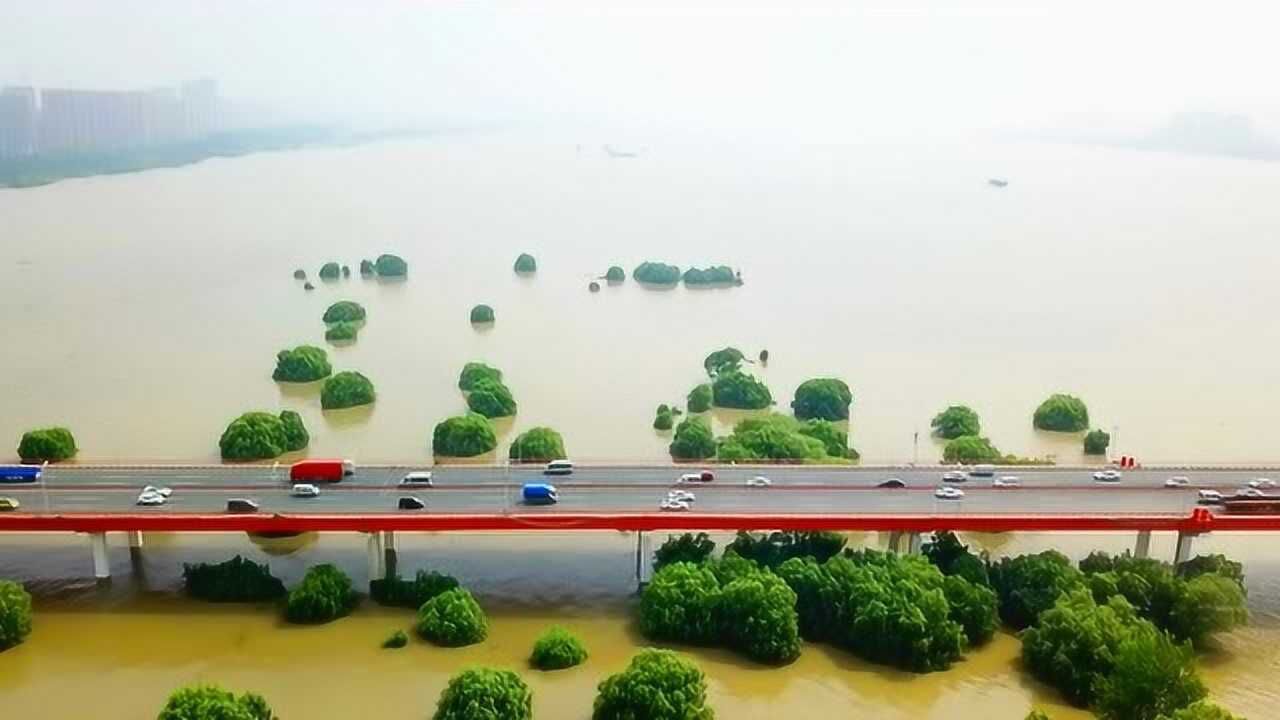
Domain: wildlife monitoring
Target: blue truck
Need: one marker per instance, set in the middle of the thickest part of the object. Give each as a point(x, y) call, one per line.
point(540, 494)
point(20, 473)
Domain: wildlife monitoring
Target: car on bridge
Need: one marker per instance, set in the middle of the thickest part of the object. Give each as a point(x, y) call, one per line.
point(698, 477)
point(20, 473)
point(759, 481)
point(1262, 483)
point(304, 490)
point(1107, 476)
point(681, 495)
point(1177, 481)
point(1008, 481)
point(1209, 497)
point(410, 503)
point(152, 496)
point(672, 504)
point(8, 503)
point(892, 483)
point(952, 476)
point(983, 470)
point(946, 492)
point(417, 478)
point(242, 505)
point(539, 494)
point(559, 467)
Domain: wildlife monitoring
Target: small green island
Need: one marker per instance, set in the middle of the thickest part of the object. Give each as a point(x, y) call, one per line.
point(325, 594)
point(330, 271)
point(453, 619)
point(1061, 413)
point(779, 437)
point(367, 268)
point(388, 265)
point(699, 400)
point(1096, 442)
point(51, 444)
point(344, 311)
point(724, 360)
point(15, 614)
point(525, 264)
point(538, 444)
point(345, 390)
point(262, 436)
point(303, 364)
point(463, 436)
point(481, 693)
point(615, 274)
point(822, 399)
point(481, 314)
point(656, 273)
point(474, 372)
point(557, 649)
point(342, 332)
point(956, 421)
point(664, 419)
point(740, 391)
point(716, 275)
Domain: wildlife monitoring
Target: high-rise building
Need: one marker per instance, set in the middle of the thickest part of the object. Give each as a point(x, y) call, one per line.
point(200, 107)
point(87, 120)
point(18, 113)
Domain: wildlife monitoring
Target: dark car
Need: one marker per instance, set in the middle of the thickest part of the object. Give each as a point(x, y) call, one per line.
point(411, 503)
point(892, 483)
point(241, 505)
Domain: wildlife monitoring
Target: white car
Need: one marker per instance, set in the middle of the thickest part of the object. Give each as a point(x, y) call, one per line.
point(418, 478)
point(759, 481)
point(1006, 482)
point(1107, 476)
point(161, 491)
point(151, 499)
point(674, 505)
point(305, 491)
point(1177, 481)
point(954, 476)
point(681, 495)
point(1262, 483)
point(947, 492)
point(1210, 496)
point(1250, 492)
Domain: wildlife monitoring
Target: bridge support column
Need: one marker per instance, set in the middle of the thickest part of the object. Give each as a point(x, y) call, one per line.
point(1182, 551)
point(914, 540)
point(390, 552)
point(135, 539)
point(101, 562)
point(1143, 549)
point(644, 558)
point(373, 543)
point(895, 541)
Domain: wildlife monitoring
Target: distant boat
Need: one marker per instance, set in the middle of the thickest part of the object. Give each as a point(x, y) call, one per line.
point(997, 182)
point(619, 153)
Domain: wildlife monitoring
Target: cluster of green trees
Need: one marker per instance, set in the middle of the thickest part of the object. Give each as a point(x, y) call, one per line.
point(51, 444)
point(822, 399)
point(525, 263)
point(485, 694)
point(615, 274)
point(699, 399)
point(463, 436)
point(970, 449)
point(688, 548)
point(346, 389)
point(537, 444)
point(342, 332)
point(367, 268)
point(715, 275)
point(780, 437)
point(955, 422)
point(1061, 413)
point(487, 395)
point(693, 440)
point(262, 436)
point(398, 592)
point(1096, 442)
point(345, 311)
point(453, 618)
point(657, 685)
point(724, 360)
point(557, 649)
point(305, 363)
point(15, 614)
point(482, 314)
point(656, 273)
point(235, 580)
point(330, 271)
point(474, 372)
point(209, 702)
point(664, 419)
point(324, 594)
point(739, 390)
point(388, 265)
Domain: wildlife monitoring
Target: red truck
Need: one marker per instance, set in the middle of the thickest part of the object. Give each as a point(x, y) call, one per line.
point(321, 470)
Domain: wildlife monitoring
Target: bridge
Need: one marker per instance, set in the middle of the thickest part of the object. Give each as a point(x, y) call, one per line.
point(101, 500)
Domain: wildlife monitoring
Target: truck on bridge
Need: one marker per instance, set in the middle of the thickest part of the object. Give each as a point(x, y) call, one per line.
point(20, 473)
point(306, 471)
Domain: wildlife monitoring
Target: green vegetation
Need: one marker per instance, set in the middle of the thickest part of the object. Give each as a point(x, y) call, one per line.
point(453, 619)
point(1062, 413)
point(538, 444)
point(952, 557)
point(970, 449)
point(344, 311)
point(346, 271)
point(686, 548)
point(1096, 442)
point(973, 605)
point(485, 694)
point(525, 264)
point(724, 360)
point(1073, 646)
point(615, 274)
point(822, 399)
point(308, 286)
point(693, 440)
point(491, 399)
point(305, 363)
point(463, 436)
point(299, 274)
point(52, 444)
point(656, 273)
point(324, 594)
point(664, 420)
point(780, 437)
point(330, 271)
point(262, 436)
point(699, 399)
point(397, 639)
point(209, 702)
point(679, 604)
point(346, 389)
point(715, 275)
point(1153, 675)
point(758, 618)
point(557, 649)
point(741, 391)
point(236, 580)
point(657, 685)
point(15, 614)
point(388, 265)
point(770, 551)
point(1030, 584)
point(366, 268)
point(397, 592)
point(341, 332)
point(474, 372)
point(482, 314)
point(955, 422)
point(1200, 710)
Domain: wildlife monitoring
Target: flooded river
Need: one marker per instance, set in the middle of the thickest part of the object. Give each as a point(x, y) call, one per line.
point(120, 649)
point(146, 309)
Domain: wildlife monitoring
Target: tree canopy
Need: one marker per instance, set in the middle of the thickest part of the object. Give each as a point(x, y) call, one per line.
point(236, 580)
point(463, 436)
point(342, 332)
point(324, 594)
point(1096, 442)
point(779, 437)
point(724, 360)
point(525, 264)
point(1062, 413)
point(346, 389)
point(699, 399)
point(344, 311)
point(52, 444)
point(822, 399)
point(398, 592)
point(1030, 584)
point(453, 619)
point(262, 436)
point(15, 614)
point(970, 449)
point(305, 363)
point(1200, 710)
point(388, 265)
point(485, 694)
point(615, 274)
point(209, 702)
point(367, 268)
point(491, 398)
point(557, 649)
point(693, 440)
point(474, 372)
point(714, 275)
point(656, 273)
point(538, 444)
point(481, 314)
point(664, 420)
point(956, 421)
point(739, 390)
point(657, 685)
point(1153, 675)
point(688, 548)
point(1074, 643)
point(330, 271)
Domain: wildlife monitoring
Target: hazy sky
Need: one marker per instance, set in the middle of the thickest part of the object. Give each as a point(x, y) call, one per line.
point(803, 69)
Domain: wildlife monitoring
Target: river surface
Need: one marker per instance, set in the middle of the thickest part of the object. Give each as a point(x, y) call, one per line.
point(122, 647)
point(144, 311)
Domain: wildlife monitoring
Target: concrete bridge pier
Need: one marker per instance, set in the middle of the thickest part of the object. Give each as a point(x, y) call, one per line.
point(390, 550)
point(101, 561)
point(895, 540)
point(1142, 549)
point(1182, 551)
point(373, 544)
point(644, 558)
point(914, 542)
